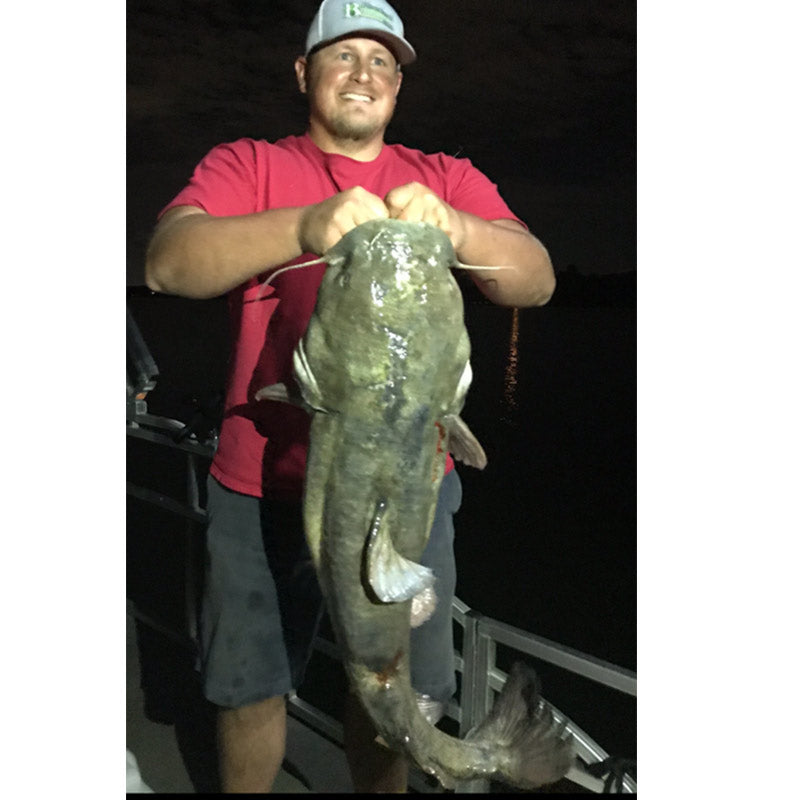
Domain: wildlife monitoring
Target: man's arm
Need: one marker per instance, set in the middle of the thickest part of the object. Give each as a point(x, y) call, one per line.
point(194, 254)
point(529, 279)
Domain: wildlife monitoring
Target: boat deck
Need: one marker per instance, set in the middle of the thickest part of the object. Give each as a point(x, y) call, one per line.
point(321, 766)
point(170, 728)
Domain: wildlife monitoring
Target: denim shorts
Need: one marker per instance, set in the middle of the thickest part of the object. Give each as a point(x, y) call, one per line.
point(262, 603)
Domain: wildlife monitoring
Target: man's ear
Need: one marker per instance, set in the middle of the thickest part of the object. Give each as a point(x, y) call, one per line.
point(300, 65)
point(399, 82)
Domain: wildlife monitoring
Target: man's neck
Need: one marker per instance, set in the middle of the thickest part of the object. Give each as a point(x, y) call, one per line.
point(357, 149)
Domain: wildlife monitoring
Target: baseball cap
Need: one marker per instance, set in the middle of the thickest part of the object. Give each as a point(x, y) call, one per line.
point(337, 18)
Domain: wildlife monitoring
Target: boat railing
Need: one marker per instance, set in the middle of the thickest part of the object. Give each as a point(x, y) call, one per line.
point(480, 675)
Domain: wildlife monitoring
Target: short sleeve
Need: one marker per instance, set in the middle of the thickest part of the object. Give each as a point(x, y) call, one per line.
point(224, 183)
point(471, 191)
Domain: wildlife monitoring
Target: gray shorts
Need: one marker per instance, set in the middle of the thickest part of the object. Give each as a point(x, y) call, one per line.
point(262, 604)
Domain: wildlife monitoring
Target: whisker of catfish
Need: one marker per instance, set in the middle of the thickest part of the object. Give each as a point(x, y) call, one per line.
point(277, 272)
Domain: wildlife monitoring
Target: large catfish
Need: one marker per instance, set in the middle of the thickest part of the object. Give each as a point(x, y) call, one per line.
point(384, 369)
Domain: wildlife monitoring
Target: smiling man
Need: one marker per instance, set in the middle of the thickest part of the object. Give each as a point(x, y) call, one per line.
point(250, 207)
point(352, 89)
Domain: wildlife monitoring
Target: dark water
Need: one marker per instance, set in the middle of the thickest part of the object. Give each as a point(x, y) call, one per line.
point(546, 536)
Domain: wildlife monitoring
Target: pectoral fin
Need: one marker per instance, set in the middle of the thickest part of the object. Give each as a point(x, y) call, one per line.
point(309, 396)
point(463, 444)
point(391, 577)
point(305, 378)
point(278, 392)
point(463, 385)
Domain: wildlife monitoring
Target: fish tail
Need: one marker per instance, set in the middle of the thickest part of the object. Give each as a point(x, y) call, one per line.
point(531, 749)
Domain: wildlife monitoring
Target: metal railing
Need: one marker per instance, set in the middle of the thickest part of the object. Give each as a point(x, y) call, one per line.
point(480, 676)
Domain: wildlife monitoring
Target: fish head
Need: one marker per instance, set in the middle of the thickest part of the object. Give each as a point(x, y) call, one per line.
point(392, 262)
point(387, 333)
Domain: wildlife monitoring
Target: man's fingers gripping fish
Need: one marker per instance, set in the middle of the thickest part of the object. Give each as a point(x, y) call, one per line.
point(384, 369)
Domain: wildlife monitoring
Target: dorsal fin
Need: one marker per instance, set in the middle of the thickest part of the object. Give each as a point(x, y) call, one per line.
point(391, 577)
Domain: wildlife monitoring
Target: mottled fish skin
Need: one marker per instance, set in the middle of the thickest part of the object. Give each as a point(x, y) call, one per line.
point(383, 364)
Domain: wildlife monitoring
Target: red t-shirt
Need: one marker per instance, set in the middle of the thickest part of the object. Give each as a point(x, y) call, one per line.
point(263, 444)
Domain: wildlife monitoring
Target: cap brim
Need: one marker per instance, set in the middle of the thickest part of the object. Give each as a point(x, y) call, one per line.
point(401, 49)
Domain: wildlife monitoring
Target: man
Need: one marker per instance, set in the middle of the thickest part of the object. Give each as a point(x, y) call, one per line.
point(251, 207)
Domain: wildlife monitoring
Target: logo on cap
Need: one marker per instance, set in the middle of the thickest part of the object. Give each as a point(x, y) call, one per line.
point(368, 11)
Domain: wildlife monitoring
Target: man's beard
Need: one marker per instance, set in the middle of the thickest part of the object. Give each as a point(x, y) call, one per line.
point(341, 127)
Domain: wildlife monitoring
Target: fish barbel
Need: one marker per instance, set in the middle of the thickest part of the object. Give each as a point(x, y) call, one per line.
point(384, 369)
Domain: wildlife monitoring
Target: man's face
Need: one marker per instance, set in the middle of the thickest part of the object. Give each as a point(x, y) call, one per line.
point(352, 86)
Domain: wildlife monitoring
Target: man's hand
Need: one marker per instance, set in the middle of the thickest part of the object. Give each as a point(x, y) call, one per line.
point(414, 202)
point(323, 224)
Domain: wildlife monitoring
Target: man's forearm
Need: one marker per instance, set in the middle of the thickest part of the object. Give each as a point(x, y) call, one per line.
point(200, 256)
point(194, 254)
point(529, 279)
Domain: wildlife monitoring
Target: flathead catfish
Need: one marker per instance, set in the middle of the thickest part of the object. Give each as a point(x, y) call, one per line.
point(384, 369)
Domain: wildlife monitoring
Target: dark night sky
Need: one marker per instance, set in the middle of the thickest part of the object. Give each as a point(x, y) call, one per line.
point(539, 95)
